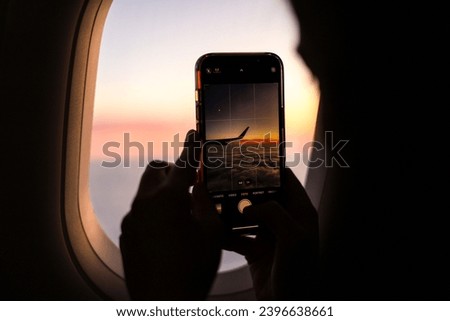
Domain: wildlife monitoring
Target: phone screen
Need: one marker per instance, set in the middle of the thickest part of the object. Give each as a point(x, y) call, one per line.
point(240, 112)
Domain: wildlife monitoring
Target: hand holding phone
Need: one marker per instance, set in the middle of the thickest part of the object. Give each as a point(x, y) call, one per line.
point(240, 118)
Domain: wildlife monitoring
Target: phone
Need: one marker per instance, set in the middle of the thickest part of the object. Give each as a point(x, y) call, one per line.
point(240, 119)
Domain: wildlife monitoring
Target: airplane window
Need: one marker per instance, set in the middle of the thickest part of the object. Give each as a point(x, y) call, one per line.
point(144, 99)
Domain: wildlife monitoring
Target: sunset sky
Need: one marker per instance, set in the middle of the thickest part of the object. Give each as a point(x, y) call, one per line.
point(145, 81)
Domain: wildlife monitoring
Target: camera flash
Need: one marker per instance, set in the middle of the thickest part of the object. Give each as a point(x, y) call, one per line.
point(273, 69)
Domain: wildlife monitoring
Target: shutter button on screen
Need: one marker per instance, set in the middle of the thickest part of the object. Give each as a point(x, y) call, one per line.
point(243, 203)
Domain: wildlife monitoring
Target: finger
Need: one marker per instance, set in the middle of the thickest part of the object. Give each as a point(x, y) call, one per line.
point(240, 244)
point(155, 174)
point(206, 214)
point(293, 189)
point(203, 206)
point(184, 172)
point(272, 216)
point(296, 200)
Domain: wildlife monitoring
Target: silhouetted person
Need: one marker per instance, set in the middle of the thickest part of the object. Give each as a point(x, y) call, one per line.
point(378, 226)
point(382, 235)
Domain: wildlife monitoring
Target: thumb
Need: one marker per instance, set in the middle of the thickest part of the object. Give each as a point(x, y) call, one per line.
point(206, 214)
point(273, 217)
point(203, 206)
point(240, 244)
point(184, 172)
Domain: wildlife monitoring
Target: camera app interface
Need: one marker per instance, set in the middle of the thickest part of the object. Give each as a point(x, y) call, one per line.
point(242, 136)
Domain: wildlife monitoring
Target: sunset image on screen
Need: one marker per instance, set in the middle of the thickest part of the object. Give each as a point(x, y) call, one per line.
point(242, 136)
